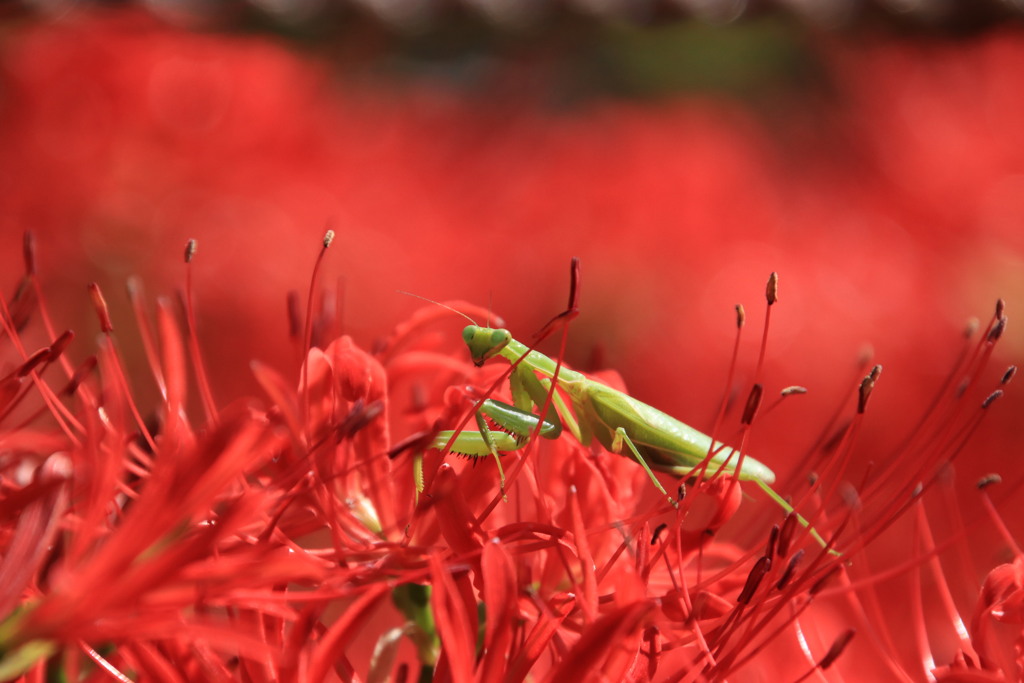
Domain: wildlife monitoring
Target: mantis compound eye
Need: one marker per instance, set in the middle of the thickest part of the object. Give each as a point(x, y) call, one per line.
point(499, 340)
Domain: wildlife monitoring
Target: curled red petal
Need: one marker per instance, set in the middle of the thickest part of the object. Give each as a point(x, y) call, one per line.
point(1000, 600)
point(173, 361)
point(331, 647)
point(499, 595)
point(456, 622)
point(457, 523)
point(599, 640)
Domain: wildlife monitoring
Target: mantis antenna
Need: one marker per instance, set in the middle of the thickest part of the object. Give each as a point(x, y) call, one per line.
point(438, 303)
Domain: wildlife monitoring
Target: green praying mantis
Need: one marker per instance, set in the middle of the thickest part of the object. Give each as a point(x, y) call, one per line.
point(619, 422)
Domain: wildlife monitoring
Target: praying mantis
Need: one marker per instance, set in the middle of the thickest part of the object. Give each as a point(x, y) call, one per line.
point(619, 422)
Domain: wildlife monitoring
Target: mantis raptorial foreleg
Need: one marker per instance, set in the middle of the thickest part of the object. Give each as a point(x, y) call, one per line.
point(514, 426)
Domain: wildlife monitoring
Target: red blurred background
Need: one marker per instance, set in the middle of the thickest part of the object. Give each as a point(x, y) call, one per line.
point(881, 175)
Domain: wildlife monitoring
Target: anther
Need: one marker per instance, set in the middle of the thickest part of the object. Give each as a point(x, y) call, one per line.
point(753, 403)
point(757, 573)
point(772, 290)
point(100, 304)
point(790, 570)
point(819, 585)
point(988, 480)
point(33, 361)
point(773, 537)
point(81, 372)
point(990, 399)
point(866, 385)
point(786, 534)
point(837, 648)
point(997, 330)
point(59, 345)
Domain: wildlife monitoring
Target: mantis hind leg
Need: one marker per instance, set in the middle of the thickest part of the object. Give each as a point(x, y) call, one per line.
point(784, 504)
point(621, 437)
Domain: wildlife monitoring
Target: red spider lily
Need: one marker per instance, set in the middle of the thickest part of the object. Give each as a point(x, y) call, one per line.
point(263, 542)
point(157, 563)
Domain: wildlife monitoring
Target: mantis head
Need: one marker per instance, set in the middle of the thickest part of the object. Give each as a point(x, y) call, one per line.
point(485, 342)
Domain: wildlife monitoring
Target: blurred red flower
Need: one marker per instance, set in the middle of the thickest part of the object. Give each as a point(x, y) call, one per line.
point(889, 206)
point(173, 547)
